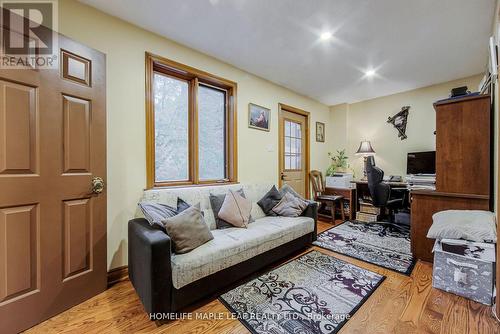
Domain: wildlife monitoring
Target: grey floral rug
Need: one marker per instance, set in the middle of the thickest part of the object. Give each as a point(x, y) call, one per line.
point(314, 293)
point(375, 243)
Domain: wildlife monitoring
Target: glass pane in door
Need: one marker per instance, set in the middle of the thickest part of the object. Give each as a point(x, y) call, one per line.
point(293, 145)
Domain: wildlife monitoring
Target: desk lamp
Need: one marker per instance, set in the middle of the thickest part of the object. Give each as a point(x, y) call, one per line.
point(365, 149)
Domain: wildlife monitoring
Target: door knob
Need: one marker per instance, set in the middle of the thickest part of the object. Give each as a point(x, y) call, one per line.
point(97, 185)
point(283, 176)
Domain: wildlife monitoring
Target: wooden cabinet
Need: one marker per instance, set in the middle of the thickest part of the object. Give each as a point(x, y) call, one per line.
point(463, 145)
point(463, 167)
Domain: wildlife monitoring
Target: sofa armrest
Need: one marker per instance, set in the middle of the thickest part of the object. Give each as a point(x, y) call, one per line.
point(149, 266)
point(312, 212)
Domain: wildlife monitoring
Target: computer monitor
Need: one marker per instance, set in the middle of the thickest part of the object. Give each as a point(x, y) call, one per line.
point(421, 163)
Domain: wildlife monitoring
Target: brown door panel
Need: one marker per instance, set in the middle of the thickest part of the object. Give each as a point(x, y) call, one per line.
point(52, 227)
point(293, 145)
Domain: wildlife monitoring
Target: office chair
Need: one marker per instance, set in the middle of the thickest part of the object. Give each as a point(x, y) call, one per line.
point(381, 192)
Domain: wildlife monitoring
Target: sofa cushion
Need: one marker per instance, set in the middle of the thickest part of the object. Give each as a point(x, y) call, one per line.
point(188, 229)
point(234, 245)
point(288, 189)
point(155, 213)
point(236, 209)
point(182, 205)
point(193, 195)
point(290, 206)
point(269, 200)
point(216, 203)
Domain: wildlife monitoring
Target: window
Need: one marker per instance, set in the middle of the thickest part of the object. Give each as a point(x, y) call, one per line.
point(211, 133)
point(171, 109)
point(293, 145)
point(191, 124)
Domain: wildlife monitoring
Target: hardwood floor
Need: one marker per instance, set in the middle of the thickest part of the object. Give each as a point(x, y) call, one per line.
point(401, 304)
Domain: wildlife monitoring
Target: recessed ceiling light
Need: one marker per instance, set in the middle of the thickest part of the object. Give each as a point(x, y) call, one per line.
point(370, 73)
point(326, 36)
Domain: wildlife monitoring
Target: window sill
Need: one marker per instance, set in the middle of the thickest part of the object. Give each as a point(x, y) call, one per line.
point(173, 186)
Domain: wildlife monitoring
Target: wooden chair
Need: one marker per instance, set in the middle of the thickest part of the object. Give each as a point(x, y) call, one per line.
point(332, 201)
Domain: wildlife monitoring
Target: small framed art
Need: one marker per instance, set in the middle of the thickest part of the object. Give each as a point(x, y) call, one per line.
point(259, 117)
point(320, 132)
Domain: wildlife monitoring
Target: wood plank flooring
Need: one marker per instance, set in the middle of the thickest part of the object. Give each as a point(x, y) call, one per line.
point(401, 304)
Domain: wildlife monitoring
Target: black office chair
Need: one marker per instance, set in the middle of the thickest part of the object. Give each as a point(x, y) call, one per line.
point(381, 193)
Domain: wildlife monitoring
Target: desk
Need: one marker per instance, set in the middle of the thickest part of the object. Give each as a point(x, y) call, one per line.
point(362, 191)
point(392, 184)
point(424, 203)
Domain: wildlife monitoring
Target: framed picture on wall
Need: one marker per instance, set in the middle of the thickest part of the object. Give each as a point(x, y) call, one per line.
point(320, 132)
point(259, 117)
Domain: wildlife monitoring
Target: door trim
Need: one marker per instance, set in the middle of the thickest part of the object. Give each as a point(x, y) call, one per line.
point(306, 114)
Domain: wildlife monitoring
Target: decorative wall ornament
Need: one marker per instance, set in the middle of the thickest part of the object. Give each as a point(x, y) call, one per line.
point(399, 121)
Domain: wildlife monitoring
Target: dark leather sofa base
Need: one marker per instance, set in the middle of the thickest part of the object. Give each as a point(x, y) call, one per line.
point(218, 281)
point(150, 268)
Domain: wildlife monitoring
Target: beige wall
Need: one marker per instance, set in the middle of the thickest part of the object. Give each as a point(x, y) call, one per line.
point(368, 120)
point(338, 124)
point(124, 46)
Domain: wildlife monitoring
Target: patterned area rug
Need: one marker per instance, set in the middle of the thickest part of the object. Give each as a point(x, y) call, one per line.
point(375, 243)
point(314, 293)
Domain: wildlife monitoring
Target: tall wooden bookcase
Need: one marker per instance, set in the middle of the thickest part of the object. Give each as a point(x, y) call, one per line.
point(463, 167)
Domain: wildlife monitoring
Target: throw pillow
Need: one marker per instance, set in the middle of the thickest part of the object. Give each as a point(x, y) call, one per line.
point(287, 189)
point(216, 203)
point(188, 230)
point(236, 209)
point(269, 201)
point(155, 213)
point(290, 206)
point(182, 205)
point(474, 225)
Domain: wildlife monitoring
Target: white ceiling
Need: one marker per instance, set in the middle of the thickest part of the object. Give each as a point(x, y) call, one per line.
point(410, 43)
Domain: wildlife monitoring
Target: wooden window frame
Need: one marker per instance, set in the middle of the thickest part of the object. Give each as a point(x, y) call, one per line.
point(195, 78)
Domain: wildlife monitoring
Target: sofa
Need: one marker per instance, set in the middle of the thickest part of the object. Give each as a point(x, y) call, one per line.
point(167, 282)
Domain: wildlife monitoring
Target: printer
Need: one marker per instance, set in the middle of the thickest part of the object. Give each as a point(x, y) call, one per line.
point(339, 180)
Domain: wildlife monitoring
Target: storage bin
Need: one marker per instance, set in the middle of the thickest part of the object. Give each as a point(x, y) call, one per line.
point(465, 268)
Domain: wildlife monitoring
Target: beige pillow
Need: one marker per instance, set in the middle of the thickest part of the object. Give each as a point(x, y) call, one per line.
point(290, 206)
point(188, 229)
point(236, 209)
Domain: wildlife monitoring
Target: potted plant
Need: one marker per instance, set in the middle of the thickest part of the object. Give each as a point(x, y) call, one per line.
point(339, 164)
